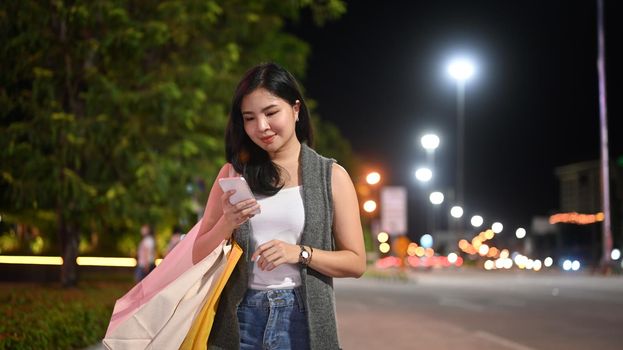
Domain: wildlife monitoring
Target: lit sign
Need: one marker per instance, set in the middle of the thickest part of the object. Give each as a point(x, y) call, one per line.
point(576, 218)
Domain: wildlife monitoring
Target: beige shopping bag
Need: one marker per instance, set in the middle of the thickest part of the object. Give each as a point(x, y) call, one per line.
point(164, 321)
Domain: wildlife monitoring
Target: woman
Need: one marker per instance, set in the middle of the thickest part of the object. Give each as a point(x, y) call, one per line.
point(280, 295)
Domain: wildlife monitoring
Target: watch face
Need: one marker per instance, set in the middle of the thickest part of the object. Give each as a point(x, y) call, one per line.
point(305, 254)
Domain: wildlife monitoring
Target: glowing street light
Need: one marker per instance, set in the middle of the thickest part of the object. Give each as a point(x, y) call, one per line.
point(373, 178)
point(436, 198)
point(615, 254)
point(477, 221)
point(384, 248)
point(456, 212)
point(460, 69)
point(382, 237)
point(423, 174)
point(369, 206)
point(497, 227)
point(430, 142)
point(520, 233)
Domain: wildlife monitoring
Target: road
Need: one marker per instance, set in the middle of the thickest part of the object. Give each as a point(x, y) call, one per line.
point(481, 310)
point(471, 310)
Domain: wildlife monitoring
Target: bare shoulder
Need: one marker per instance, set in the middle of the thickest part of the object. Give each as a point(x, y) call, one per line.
point(340, 177)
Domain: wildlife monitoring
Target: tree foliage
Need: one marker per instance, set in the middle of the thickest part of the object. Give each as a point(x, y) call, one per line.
point(112, 112)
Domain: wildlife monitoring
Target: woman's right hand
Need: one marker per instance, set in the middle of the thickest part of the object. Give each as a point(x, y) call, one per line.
point(239, 213)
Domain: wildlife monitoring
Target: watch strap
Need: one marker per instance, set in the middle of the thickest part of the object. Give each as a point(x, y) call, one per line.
point(303, 260)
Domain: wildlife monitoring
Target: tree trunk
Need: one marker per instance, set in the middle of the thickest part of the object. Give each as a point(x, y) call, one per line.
point(68, 238)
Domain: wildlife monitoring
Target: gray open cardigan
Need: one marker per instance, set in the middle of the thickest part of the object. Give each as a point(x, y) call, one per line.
point(317, 288)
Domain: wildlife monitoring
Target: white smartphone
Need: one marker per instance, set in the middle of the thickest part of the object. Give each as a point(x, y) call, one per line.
point(238, 184)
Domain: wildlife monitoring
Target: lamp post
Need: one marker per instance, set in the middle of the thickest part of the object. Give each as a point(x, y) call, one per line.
point(461, 70)
point(430, 142)
point(603, 133)
point(436, 198)
point(370, 206)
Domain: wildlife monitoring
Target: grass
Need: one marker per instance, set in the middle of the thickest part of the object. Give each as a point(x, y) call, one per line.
point(46, 316)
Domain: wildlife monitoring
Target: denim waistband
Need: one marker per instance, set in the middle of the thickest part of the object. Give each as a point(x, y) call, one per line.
point(273, 298)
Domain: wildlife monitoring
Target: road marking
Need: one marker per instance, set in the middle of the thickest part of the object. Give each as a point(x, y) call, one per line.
point(502, 341)
point(463, 304)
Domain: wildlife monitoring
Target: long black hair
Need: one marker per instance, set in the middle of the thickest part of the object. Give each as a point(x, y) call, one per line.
point(248, 158)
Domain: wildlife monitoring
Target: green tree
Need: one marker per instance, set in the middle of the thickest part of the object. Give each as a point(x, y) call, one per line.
point(113, 111)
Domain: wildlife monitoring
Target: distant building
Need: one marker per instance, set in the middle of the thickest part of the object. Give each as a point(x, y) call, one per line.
point(580, 192)
point(580, 187)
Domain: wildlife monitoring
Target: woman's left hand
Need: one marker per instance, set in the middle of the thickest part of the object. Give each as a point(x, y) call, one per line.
point(274, 253)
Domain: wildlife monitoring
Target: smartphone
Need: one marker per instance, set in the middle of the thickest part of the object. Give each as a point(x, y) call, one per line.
point(238, 184)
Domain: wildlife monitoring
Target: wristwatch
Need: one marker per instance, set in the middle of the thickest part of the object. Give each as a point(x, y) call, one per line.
point(304, 256)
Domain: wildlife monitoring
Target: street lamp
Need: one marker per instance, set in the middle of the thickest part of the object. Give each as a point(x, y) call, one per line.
point(456, 212)
point(369, 206)
point(423, 174)
point(477, 221)
point(497, 227)
point(460, 69)
point(373, 178)
point(436, 198)
point(520, 233)
point(430, 142)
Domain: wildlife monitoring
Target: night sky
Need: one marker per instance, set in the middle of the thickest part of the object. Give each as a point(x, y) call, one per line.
point(379, 74)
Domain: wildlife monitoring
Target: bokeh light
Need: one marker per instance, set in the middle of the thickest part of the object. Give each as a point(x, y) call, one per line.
point(373, 178)
point(430, 141)
point(384, 248)
point(497, 227)
point(436, 198)
point(456, 212)
point(520, 233)
point(423, 174)
point(426, 241)
point(369, 206)
point(477, 221)
point(382, 237)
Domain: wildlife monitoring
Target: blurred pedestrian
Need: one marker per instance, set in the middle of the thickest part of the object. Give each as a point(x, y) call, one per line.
point(146, 253)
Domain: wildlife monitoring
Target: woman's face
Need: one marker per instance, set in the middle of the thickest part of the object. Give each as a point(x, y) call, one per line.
point(269, 120)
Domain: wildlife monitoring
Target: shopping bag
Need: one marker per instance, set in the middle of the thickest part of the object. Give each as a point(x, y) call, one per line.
point(197, 337)
point(164, 320)
point(178, 261)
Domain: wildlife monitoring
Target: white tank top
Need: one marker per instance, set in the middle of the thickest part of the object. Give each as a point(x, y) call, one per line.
point(282, 217)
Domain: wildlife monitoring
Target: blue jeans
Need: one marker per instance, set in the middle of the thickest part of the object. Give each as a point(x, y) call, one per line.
point(273, 320)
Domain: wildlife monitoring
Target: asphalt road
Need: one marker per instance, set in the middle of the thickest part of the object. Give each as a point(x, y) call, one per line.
point(470, 310)
point(481, 310)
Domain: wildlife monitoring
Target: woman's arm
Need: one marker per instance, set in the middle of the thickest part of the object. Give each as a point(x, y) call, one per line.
point(349, 258)
point(220, 218)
